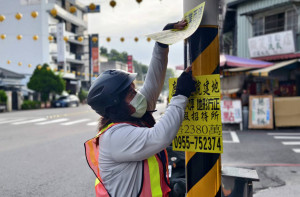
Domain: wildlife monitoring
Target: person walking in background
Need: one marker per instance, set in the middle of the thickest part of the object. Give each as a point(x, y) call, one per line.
point(128, 154)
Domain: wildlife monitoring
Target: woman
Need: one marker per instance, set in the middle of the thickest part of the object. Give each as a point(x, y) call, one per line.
point(128, 155)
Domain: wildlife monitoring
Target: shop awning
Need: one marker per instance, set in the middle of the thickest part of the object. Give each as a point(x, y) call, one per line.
point(233, 70)
point(265, 71)
point(234, 61)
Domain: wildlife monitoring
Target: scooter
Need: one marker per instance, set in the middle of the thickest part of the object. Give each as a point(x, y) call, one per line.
point(176, 172)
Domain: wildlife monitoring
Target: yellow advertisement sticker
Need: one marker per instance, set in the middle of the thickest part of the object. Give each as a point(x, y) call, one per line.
point(193, 18)
point(202, 116)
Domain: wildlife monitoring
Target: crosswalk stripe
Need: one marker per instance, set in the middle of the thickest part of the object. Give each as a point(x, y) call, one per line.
point(92, 123)
point(296, 150)
point(74, 122)
point(10, 121)
point(234, 137)
point(291, 143)
point(52, 121)
point(283, 133)
point(287, 137)
point(29, 121)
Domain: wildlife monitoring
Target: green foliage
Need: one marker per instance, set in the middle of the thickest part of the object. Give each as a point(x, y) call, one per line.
point(103, 51)
point(45, 82)
point(170, 74)
point(114, 55)
point(3, 97)
point(82, 95)
point(27, 104)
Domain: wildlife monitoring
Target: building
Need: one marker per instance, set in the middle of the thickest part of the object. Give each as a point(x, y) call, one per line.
point(10, 82)
point(113, 65)
point(260, 29)
point(41, 42)
point(266, 30)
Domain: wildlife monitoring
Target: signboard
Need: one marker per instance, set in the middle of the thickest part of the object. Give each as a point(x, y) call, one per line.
point(193, 18)
point(231, 111)
point(96, 10)
point(94, 53)
point(61, 44)
point(201, 129)
point(261, 112)
point(272, 44)
point(129, 63)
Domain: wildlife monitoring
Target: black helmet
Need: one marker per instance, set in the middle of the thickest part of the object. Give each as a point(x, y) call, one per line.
point(105, 90)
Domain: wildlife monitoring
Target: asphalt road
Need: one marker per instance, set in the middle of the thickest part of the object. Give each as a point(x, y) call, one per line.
point(42, 154)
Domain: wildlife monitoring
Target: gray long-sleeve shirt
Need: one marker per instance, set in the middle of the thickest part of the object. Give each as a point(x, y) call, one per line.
point(123, 147)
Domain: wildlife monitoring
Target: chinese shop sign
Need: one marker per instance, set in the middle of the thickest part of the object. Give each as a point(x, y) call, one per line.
point(201, 129)
point(261, 112)
point(231, 111)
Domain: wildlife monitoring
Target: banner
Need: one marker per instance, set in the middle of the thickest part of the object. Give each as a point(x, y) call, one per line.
point(95, 53)
point(61, 44)
point(129, 63)
point(201, 129)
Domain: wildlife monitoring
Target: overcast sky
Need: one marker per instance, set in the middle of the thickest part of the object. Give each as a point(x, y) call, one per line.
point(130, 19)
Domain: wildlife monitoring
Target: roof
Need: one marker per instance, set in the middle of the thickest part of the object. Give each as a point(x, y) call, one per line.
point(4, 73)
point(279, 57)
point(265, 71)
point(234, 61)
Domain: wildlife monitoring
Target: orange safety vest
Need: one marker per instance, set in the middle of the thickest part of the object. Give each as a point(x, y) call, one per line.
point(155, 176)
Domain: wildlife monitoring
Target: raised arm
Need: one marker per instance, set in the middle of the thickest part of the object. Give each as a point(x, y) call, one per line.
point(157, 69)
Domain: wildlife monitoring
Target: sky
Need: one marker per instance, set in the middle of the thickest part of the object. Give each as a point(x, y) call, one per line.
point(129, 19)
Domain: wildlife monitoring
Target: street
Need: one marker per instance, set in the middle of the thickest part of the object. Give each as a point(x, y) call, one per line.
point(42, 154)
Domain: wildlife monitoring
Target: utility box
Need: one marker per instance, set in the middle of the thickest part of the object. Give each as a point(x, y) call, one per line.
point(237, 182)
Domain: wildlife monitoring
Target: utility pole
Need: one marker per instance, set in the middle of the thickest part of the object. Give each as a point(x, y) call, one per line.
point(203, 170)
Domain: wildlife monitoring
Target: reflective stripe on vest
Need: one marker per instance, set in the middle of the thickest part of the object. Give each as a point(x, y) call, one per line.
point(154, 179)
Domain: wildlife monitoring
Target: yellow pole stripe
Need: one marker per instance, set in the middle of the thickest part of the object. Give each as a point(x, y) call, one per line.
point(209, 58)
point(154, 177)
point(188, 156)
point(209, 184)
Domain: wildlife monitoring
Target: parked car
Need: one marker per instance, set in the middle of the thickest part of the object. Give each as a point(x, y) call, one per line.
point(66, 101)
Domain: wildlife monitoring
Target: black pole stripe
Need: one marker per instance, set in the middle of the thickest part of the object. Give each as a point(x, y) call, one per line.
point(204, 163)
point(200, 40)
point(219, 192)
point(217, 70)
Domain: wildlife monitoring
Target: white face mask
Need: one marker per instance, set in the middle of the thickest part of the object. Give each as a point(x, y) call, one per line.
point(139, 103)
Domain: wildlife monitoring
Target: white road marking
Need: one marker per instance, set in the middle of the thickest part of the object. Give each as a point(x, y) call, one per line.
point(29, 121)
point(92, 123)
point(291, 143)
point(10, 121)
point(283, 133)
point(234, 137)
point(287, 137)
point(75, 122)
point(296, 150)
point(52, 121)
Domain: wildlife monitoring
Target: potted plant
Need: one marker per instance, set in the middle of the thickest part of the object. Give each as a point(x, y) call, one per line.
point(3, 99)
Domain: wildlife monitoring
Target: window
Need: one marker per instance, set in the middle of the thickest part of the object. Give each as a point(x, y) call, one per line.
point(292, 20)
point(258, 27)
point(283, 21)
point(274, 23)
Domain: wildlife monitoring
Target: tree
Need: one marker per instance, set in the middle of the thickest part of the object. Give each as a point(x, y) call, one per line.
point(3, 97)
point(103, 51)
point(45, 82)
point(114, 55)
